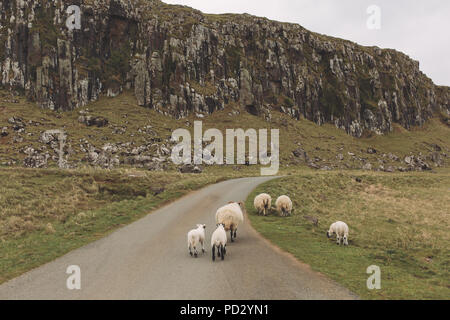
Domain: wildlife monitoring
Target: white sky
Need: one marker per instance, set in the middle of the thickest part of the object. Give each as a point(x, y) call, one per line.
point(419, 28)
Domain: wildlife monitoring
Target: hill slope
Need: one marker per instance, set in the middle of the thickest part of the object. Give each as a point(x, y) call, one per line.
point(130, 135)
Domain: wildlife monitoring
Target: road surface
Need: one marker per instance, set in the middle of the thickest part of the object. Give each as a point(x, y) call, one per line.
point(149, 260)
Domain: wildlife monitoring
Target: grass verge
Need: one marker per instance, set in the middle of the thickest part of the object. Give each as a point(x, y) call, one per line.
point(398, 222)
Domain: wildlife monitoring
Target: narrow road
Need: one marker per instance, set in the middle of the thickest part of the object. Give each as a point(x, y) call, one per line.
point(149, 260)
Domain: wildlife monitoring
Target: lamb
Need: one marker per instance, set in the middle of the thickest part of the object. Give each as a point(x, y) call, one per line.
point(219, 241)
point(341, 230)
point(284, 205)
point(263, 203)
point(231, 216)
point(195, 237)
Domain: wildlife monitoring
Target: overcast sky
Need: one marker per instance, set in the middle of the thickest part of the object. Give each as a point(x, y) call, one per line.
point(419, 28)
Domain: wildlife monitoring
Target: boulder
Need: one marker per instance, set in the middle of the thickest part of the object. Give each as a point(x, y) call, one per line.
point(389, 169)
point(17, 124)
point(35, 159)
point(393, 157)
point(4, 132)
point(313, 165)
point(49, 136)
point(91, 121)
point(409, 160)
point(189, 168)
point(367, 166)
point(155, 166)
point(300, 153)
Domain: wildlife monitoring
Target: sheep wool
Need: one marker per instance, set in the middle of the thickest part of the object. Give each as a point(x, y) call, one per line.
point(340, 229)
point(284, 205)
point(219, 241)
point(263, 203)
point(196, 237)
point(239, 207)
point(230, 216)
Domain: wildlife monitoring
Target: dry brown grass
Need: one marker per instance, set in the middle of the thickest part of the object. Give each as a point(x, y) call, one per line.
point(325, 142)
point(46, 213)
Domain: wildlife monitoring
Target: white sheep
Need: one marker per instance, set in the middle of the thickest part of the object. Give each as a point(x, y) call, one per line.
point(240, 209)
point(219, 241)
point(284, 205)
point(263, 203)
point(341, 230)
point(231, 216)
point(195, 237)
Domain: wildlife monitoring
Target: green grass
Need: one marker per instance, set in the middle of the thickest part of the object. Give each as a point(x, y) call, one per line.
point(398, 222)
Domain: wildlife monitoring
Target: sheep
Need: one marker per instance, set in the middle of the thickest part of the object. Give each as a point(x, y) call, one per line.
point(231, 216)
point(284, 205)
point(219, 241)
point(195, 237)
point(263, 203)
point(240, 209)
point(341, 230)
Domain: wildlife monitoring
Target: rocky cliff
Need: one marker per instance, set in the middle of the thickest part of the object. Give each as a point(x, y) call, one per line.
point(178, 61)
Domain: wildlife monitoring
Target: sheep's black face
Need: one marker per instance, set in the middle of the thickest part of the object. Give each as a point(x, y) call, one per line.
point(328, 235)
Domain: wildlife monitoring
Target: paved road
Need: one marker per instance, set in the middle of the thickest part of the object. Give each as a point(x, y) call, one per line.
point(149, 260)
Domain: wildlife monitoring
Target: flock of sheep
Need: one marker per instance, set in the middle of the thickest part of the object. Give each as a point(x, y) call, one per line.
point(228, 218)
point(231, 215)
point(283, 205)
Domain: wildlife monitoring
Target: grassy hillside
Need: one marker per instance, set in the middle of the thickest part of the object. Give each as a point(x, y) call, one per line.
point(128, 123)
point(46, 213)
point(398, 222)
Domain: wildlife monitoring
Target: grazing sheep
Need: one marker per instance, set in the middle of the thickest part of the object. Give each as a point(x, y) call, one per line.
point(195, 237)
point(284, 205)
point(341, 230)
point(219, 241)
point(231, 216)
point(263, 203)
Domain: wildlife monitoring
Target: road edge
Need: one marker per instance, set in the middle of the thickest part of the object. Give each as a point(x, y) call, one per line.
point(300, 264)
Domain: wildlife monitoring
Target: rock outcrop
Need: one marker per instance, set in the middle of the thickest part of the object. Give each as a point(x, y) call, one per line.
point(180, 61)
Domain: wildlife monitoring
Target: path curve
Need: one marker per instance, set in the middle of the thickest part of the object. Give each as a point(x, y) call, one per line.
point(148, 259)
